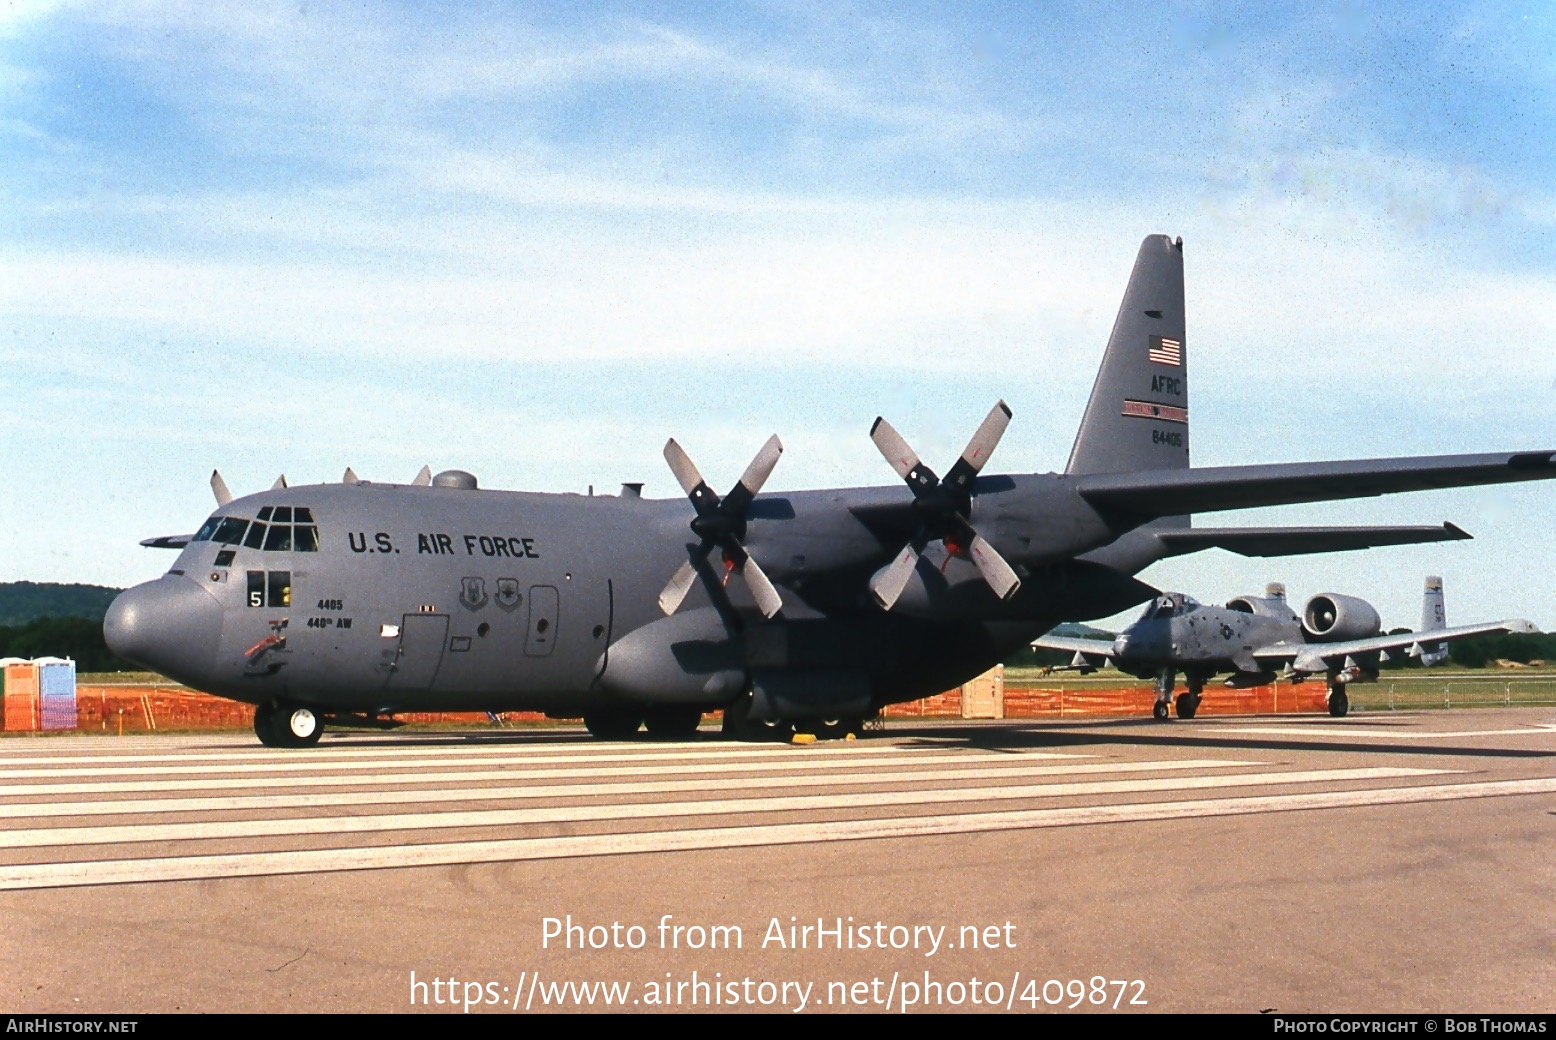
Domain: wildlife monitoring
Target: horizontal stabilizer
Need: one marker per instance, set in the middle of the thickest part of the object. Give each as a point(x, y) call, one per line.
point(167, 541)
point(1153, 493)
point(1293, 541)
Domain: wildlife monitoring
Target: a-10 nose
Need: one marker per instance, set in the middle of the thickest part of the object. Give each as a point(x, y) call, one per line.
point(170, 625)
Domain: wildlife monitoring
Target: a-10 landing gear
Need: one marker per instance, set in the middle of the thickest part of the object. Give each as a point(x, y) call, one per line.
point(281, 724)
point(1339, 703)
point(1185, 703)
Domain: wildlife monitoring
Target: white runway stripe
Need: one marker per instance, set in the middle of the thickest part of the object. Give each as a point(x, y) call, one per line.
point(604, 751)
point(796, 762)
point(956, 771)
point(239, 829)
point(329, 763)
point(186, 868)
point(1344, 730)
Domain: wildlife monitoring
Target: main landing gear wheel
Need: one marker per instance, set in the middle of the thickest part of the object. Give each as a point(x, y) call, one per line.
point(1188, 704)
point(1159, 711)
point(1339, 703)
point(612, 725)
point(673, 722)
point(739, 725)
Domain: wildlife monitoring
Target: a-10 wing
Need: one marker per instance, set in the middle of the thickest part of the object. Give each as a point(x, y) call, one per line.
point(1090, 654)
point(1311, 658)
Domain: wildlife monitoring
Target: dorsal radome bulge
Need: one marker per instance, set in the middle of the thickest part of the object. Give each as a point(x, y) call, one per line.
point(1276, 590)
point(455, 478)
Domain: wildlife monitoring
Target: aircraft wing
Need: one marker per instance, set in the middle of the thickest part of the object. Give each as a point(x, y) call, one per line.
point(1089, 647)
point(167, 541)
point(1291, 541)
point(1314, 657)
point(1173, 492)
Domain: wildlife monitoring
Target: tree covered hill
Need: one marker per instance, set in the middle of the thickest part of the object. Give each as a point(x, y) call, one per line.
point(23, 602)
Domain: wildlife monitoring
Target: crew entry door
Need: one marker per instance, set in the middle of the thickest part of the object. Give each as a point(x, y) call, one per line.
point(422, 638)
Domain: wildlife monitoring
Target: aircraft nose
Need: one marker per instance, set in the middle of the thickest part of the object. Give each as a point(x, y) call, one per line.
point(170, 625)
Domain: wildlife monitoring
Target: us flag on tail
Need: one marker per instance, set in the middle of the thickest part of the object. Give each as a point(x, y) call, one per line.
point(1166, 351)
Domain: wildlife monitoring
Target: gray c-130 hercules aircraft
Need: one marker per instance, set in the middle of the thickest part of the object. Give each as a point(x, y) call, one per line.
point(344, 604)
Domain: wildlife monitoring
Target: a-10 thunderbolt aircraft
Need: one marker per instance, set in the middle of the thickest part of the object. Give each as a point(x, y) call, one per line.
point(344, 604)
point(1339, 637)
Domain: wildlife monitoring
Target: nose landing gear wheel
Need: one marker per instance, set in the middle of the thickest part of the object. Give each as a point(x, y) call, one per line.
point(264, 725)
point(287, 725)
point(1159, 711)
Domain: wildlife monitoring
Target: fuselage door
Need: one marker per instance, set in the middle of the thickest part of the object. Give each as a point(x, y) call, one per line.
point(542, 621)
point(422, 638)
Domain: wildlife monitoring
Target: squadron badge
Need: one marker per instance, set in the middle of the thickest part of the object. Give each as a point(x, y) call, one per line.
point(507, 593)
point(472, 593)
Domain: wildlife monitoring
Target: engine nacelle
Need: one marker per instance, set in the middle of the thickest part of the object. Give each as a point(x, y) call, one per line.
point(1332, 618)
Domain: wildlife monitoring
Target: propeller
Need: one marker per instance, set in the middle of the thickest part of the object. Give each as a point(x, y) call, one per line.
point(722, 524)
point(942, 507)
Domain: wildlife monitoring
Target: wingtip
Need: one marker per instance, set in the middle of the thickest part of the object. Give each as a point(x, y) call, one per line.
point(1458, 533)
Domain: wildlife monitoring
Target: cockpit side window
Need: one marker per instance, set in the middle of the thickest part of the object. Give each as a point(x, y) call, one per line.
point(204, 534)
point(230, 531)
point(305, 539)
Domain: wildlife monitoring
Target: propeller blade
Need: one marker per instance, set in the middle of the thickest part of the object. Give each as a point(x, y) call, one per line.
point(903, 459)
point(761, 467)
point(978, 450)
point(219, 489)
point(739, 498)
point(424, 478)
point(350, 477)
point(767, 599)
point(697, 489)
point(888, 585)
point(1001, 578)
point(280, 483)
point(671, 598)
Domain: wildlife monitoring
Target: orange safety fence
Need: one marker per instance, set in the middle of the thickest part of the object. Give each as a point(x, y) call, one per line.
point(143, 708)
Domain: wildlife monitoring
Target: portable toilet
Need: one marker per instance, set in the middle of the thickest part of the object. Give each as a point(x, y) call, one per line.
point(20, 694)
point(56, 692)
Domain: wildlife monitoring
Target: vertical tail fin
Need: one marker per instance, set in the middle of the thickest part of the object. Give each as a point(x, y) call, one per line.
point(1434, 616)
point(1138, 415)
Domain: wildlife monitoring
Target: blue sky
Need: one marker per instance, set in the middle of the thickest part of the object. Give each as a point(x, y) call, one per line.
point(536, 241)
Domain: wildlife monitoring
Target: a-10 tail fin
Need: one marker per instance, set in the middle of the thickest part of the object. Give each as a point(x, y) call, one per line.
point(1434, 617)
point(1138, 415)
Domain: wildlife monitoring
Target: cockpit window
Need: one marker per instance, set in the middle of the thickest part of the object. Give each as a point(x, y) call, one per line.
point(230, 531)
point(280, 538)
point(278, 529)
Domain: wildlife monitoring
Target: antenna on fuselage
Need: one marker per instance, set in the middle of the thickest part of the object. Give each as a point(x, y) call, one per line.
point(219, 489)
point(424, 478)
point(280, 484)
point(350, 477)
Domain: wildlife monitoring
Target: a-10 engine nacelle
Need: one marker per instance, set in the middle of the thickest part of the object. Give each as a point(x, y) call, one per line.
point(1331, 618)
